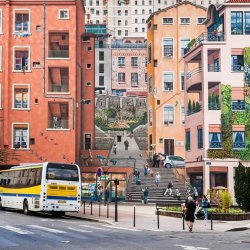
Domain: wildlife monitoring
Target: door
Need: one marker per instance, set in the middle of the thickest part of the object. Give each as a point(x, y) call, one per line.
point(169, 146)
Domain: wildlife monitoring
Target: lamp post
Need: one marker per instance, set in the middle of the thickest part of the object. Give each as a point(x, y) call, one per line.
point(116, 181)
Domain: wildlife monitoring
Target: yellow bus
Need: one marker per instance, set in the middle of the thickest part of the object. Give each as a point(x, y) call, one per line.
point(48, 187)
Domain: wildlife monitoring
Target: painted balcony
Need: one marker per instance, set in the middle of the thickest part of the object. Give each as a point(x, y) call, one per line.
point(194, 77)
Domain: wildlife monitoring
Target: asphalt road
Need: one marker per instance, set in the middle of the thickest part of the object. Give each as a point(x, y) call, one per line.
point(41, 231)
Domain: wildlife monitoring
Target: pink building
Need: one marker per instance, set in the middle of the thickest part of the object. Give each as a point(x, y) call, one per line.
point(129, 67)
point(217, 97)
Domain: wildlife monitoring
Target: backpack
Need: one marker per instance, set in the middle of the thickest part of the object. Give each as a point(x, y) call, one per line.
point(208, 205)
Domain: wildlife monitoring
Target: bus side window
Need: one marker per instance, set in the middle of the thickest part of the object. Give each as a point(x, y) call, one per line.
point(1, 181)
point(4, 182)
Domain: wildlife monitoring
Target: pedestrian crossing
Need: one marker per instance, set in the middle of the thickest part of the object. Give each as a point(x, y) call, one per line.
point(54, 233)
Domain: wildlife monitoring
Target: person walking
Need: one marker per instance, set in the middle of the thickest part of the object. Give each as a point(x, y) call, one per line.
point(154, 160)
point(126, 144)
point(157, 179)
point(145, 195)
point(195, 194)
point(189, 213)
point(204, 204)
point(169, 188)
point(114, 148)
point(197, 209)
point(158, 159)
point(146, 169)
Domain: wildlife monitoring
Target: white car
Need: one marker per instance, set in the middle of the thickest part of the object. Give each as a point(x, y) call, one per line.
point(173, 161)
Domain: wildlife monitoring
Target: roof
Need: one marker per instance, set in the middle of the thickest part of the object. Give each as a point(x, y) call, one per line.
point(238, 1)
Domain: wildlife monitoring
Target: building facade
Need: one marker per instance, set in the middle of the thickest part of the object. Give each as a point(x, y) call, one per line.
point(41, 79)
point(129, 67)
point(169, 32)
point(217, 83)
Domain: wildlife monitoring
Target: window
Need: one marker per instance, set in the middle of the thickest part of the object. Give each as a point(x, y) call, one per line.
point(247, 23)
point(169, 146)
point(200, 137)
point(136, 12)
point(21, 59)
point(134, 79)
point(126, 13)
point(97, 21)
point(150, 117)
point(236, 22)
point(237, 63)
point(201, 20)
point(20, 134)
point(126, 32)
point(143, 20)
point(239, 140)
point(101, 80)
point(88, 66)
point(86, 39)
point(168, 81)
point(119, 32)
point(136, 20)
point(97, 3)
point(134, 61)
point(87, 141)
point(126, 22)
point(168, 114)
point(92, 11)
point(1, 21)
point(214, 140)
point(119, 12)
point(149, 53)
point(167, 20)
point(167, 47)
point(182, 81)
point(22, 21)
point(101, 55)
point(143, 29)
point(150, 11)
point(121, 77)
point(21, 96)
point(119, 22)
point(188, 141)
point(97, 13)
point(184, 43)
point(238, 105)
point(121, 61)
point(150, 86)
point(135, 2)
point(63, 14)
point(185, 20)
point(136, 29)
point(101, 68)
point(182, 114)
point(143, 12)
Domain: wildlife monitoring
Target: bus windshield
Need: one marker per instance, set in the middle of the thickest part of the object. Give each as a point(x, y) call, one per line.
point(65, 172)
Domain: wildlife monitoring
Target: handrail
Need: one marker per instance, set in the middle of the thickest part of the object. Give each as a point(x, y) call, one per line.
point(194, 72)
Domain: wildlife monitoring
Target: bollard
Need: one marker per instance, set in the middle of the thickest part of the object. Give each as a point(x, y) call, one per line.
point(91, 208)
point(211, 218)
point(99, 208)
point(108, 210)
point(84, 207)
point(183, 220)
point(134, 215)
point(158, 219)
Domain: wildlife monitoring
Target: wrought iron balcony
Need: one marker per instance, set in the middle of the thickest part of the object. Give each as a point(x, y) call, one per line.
point(215, 144)
point(238, 105)
point(239, 145)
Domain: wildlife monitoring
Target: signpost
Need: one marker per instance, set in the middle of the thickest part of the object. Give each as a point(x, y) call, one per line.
point(116, 181)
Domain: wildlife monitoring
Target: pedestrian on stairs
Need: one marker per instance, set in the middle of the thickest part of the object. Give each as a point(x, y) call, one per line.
point(169, 188)
point(157, 179)
point(126, 144)
point(145, 194)
point(146, 169)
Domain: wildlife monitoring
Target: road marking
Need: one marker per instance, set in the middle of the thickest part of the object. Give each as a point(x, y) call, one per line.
point(122, 228)
point(16, 230)
point(51, 230)
point(192, 247)
point(68, 222)
point(47, 220)
point(80, 230)
point(98, 228)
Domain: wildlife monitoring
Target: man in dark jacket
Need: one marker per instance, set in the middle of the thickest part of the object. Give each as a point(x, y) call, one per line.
point(145, 194)
point(189, 213)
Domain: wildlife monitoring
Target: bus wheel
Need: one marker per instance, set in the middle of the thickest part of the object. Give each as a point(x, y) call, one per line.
point(25, 207)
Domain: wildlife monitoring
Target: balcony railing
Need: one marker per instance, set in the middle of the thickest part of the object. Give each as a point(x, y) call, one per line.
point(58, 53)
point(59, 124)
point(213, 68)
point(239, 145)
point(215, 144)
point(237, 68)
point(209, 37)
point(58, 87)
point(213, 106)
point(238, 106)
point(194, 110)
point(193, 72)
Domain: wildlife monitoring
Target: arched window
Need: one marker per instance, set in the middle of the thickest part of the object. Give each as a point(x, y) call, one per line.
point(136, 20)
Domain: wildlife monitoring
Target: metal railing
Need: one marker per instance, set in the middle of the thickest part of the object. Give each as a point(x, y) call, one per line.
point(194, 72)
point(239, 145)
point(58, 53)
point(237, 68)
point(213, 106)
point(238, 106)
point(59, 124)
point(206, 37)
point(215, 144)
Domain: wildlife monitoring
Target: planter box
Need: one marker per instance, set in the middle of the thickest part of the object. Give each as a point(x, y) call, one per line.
point(216, 216)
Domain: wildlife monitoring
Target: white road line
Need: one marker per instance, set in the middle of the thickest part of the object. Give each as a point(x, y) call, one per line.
point(79, 230)
point(122, 228)
point(67, 222)
point(51, 230)
point(192, 247)
point(97, 228)
point(16, 230)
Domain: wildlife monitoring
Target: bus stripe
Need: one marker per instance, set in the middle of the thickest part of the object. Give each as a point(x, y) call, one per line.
point(61, 197)
point(22, 195)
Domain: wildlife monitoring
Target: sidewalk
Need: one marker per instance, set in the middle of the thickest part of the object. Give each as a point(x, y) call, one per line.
point(146, 219)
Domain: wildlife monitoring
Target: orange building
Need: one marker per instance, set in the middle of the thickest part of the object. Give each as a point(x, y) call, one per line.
point(43, 77)
point(169, 32)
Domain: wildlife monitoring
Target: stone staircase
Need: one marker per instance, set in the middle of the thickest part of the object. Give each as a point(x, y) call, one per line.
point(135, 193)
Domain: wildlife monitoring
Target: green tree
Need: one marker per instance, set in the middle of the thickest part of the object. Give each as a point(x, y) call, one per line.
point(193, 107)
point(241, 187)
point(109, 114)
point(189, 107)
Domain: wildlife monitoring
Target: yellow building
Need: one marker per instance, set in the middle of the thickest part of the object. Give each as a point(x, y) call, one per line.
point(169, 32)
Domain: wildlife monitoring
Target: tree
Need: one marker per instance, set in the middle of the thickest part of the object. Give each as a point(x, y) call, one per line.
point(241, 187)
point(7, 155)
point(189, 107)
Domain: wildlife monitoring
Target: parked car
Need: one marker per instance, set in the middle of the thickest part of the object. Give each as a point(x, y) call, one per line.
point(173, 161)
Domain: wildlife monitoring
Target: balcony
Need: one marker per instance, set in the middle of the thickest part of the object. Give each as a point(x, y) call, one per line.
point(58, 124)
point(215, 144)
point(58, 45)
point(237, 68)
point(205, 37)
point(193, 107)
point(239, 145)
point(58, 79)
point(238, 105)
point(213, 102)
point(54, 87)
point(58, 117)
point(194, 77)
point(98, 30)
point(59, 53)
